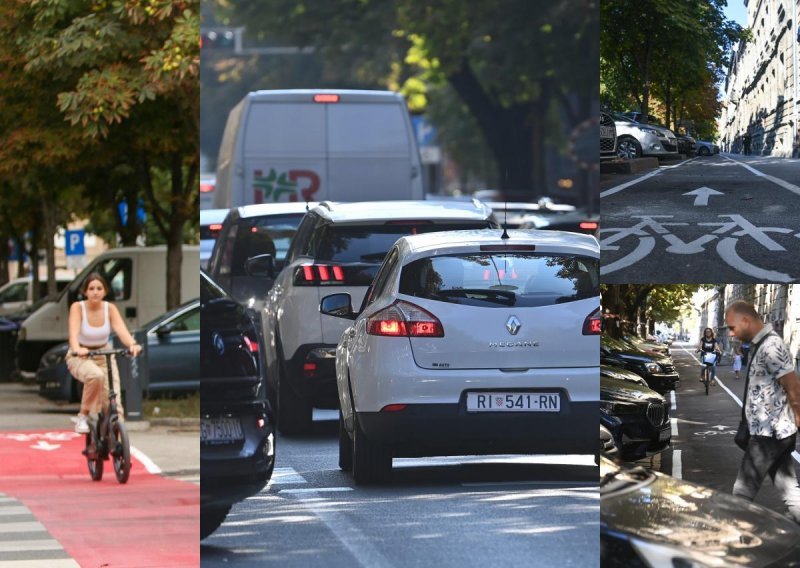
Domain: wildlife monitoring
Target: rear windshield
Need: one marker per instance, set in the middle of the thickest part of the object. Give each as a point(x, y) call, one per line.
point(206, 232)
point(497, 280)
point(270, 234)
point(371, 243)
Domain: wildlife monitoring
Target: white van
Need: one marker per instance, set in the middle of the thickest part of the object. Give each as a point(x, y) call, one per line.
point(308, 145)
point(18, 293)
point(137, 277)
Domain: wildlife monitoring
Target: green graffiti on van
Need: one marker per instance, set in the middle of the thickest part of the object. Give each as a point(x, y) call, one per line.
point(276, 187)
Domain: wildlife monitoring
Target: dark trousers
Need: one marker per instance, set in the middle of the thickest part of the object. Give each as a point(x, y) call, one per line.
point(768, 456)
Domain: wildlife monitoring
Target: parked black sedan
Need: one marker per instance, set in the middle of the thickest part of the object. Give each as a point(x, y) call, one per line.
point(651, 519)
point(237, 436)
point(636, 416)
point(657, 370)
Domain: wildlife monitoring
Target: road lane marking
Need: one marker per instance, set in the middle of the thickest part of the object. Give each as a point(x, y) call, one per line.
point(677, 472)
point(286, 476)
point(627, 184)
point(298, 491)
point(777, 181)
point(148, 464)
point(701, 195)
point(673, 400)
point(27, 543)
point(564, 484)
point(674, 427)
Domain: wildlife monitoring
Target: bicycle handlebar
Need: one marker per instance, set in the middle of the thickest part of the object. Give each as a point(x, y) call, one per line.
point(95, 352)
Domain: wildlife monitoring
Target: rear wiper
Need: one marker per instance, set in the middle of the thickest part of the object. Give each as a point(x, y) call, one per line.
point(497, 296)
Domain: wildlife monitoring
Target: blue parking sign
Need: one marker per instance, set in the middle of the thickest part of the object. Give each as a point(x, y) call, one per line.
point(74, 243)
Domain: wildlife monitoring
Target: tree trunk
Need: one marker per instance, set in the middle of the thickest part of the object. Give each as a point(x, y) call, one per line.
point(49, 229)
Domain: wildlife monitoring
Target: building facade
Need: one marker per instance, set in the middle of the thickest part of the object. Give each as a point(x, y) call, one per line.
point(761, 89)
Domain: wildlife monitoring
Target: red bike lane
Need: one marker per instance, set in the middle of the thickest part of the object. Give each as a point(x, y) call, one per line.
point(151, 521)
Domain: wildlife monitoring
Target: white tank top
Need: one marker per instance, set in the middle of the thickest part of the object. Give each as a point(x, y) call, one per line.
point(90, 335)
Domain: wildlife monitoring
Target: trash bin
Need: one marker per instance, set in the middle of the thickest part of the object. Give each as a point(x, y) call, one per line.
point(134, 378)
point(8, 342)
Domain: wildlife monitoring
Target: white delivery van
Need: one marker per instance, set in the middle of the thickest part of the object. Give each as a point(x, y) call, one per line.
point(309, 145)
point(17, 294)
point(137, 277)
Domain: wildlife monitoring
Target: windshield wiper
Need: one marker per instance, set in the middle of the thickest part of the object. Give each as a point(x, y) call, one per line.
point(497, 296)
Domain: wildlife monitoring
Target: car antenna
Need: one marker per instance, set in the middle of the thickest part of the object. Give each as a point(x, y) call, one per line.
point(307, 207)
point(505, 220)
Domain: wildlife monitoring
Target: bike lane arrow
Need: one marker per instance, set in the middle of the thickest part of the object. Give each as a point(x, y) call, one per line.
point(702, 194)
point(46, 446)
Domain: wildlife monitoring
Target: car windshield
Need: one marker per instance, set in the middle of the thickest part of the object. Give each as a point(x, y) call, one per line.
point(623, 118)
point(343, 243)
point(270, 234)
point(614, 478)
point(497, 280)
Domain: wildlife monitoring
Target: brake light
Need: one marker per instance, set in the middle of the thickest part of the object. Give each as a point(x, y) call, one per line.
point(393, 407)
point(404, 319)
point(593, 323)
point(309, 369)
point(508, 248)
point(326, 98)
point(589, 225)
point(215, 227)
point(252, 346)
point(312, 274)
point(206, 187)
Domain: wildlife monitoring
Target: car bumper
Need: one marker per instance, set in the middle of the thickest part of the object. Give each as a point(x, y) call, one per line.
point(319, 382)
point(635, 436)
point(448, 429)
point(662, 383)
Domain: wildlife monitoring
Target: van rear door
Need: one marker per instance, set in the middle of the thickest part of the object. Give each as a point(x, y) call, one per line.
point(284, 152)
point(369, 152)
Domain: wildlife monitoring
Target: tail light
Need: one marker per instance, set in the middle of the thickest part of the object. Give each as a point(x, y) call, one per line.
point(206, 187)
point(315, 274)
point(589, 225)
point(326, 98)
point(593, 323)
point(251, 344)
point(404, 319)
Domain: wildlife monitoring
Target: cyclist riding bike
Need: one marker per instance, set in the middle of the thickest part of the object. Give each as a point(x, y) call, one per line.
point(708, 344)
point(90, 325)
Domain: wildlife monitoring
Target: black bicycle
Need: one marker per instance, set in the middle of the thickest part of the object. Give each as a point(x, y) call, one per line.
point(107, 437)
point(709, 358)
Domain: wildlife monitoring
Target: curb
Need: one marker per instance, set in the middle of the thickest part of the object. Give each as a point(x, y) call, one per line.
point(144, 425)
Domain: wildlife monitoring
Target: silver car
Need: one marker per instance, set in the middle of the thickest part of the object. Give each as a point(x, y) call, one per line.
point(705, 148)
point(635, 140)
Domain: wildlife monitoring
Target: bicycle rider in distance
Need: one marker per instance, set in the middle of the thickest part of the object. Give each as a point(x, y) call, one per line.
point(709, 344)
point(90, 324)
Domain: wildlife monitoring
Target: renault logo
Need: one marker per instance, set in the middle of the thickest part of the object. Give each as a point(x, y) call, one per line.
point(219, 344)
point(513, 325)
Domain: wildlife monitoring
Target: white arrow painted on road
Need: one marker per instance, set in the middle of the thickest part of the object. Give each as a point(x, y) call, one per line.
point(719, 427)
point(702, 194)
point(46, 446)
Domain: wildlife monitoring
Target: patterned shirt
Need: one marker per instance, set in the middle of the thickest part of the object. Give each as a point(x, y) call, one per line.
point(768, 410)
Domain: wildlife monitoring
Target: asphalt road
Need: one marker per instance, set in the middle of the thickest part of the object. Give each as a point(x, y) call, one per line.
point(703, 450)
point(511, 510)
point(724, 218)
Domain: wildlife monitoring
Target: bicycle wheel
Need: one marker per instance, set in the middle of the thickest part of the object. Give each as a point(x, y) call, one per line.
point(120, 451)
point(707, 379)
point(93, 458)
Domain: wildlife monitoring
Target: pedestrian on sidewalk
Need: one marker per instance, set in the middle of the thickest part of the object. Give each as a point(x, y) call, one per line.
point(90, 325)
point(746, 142)
point(737, 362)
point(771, 409)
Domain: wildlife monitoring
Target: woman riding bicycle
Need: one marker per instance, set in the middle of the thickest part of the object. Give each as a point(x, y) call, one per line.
point(90, 325)
point(708, 344)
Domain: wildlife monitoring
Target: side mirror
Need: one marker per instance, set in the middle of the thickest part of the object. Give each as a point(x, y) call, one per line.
point(260, 266)
point(165, 329)
point(337, 305)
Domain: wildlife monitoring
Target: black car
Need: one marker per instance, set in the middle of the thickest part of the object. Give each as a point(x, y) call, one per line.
point(237, 438)
point(651, 519)
point(686, 145)
point(658, 371)
point(636, 416)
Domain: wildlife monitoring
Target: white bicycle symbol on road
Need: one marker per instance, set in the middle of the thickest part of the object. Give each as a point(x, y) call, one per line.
point(728, 233)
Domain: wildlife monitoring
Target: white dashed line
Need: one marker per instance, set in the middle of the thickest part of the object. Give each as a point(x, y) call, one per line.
point(677, 466)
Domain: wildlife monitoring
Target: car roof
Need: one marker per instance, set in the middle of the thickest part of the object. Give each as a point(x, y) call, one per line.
point(306, 95)
point(377, 211)
point(208, 216)
point(446, 242)
point(263, 209)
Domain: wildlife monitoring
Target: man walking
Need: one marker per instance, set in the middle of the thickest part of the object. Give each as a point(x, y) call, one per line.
point(772, 409)
point(746, 143)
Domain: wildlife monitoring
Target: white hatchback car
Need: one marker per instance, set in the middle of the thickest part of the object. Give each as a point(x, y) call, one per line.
point(468, 343)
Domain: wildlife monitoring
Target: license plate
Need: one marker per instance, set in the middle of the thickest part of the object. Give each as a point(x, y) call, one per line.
point(220, 430)
point(607, 132)
point(664, 435)
point(513, 402)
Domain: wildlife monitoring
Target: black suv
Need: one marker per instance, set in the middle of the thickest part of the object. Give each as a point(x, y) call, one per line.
point(237, 440)
point(636, 416)
point(657, 370)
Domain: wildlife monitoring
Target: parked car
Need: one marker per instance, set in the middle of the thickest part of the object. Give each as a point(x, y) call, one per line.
point(608, 137)
point(339, 246)
point(17, 294)
point(651, 519)
point(705, 148)
point(636, 416)
point(172, 352)
point(247, 232)
point(658, 371)
point(210, 226)
point(575, 222)
point(208, 183)
point(237, 437)
point(512, 214)
point(607, 446)
point(635, 140)
point(687, 145)
point(458, 349)
point(647, 346)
